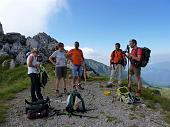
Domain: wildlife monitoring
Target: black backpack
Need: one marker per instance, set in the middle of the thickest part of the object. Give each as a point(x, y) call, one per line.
point(145, 58)
point(38, 109)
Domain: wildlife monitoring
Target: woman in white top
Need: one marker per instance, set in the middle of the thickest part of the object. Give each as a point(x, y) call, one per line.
point(33, 65)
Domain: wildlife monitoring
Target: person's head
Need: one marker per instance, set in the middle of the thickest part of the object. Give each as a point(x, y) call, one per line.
point(39, 58)
point(132, 43)
point(117, 46)
point(34, 51)
point(60, 46)
point(56, 47)
point(76, 44)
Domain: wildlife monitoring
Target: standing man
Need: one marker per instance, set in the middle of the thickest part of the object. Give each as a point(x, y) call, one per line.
point(60, 66)
point(116, 63)
point(135, 56)
point(33, 66)
point(77, 59)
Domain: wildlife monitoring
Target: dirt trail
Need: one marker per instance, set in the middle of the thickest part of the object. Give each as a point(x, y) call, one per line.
point(110, 111)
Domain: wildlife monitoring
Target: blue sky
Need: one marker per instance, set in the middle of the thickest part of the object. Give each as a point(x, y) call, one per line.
point(96, 24)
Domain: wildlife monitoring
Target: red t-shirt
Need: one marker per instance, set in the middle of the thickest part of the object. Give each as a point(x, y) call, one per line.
point(76, 56)
point(136, 51)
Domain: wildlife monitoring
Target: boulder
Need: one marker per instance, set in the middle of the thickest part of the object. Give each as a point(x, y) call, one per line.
point(6, 64)
point(12, 64)
point(31, 43)
point(15, 37)
point(21, 57)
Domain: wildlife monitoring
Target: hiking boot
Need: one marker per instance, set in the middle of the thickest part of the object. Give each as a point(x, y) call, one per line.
point(74, 87)
point(65, 90)
point(57, 92)
point(138, 93)
point(79, 87)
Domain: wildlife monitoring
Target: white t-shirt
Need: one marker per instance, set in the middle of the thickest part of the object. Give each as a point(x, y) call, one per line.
point(60, 57)
point(34, 62)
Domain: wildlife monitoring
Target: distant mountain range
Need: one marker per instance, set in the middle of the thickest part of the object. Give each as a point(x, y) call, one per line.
point(157, 74)
point(98, 67)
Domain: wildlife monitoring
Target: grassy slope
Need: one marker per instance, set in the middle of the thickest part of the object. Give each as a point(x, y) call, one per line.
point(11, 82)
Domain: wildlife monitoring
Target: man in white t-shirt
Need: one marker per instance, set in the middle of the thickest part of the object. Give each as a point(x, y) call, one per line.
point(60, 65)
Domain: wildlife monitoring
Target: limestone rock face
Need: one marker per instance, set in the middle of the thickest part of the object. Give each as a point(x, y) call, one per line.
point(17, 46)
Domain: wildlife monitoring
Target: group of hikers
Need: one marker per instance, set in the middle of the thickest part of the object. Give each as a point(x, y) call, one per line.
point(60, 57)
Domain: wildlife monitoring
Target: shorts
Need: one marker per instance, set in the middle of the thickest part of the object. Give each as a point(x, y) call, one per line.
point(77, 70)
point(61, 72)
point(135, 70)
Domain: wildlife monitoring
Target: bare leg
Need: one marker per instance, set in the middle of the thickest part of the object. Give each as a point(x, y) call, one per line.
point(79, 79)
point(64, 80)
point(139, 82)
point(57, 83)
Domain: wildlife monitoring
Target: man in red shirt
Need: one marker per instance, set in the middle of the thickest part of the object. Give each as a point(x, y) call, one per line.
point(77, 60)
point(135, 56)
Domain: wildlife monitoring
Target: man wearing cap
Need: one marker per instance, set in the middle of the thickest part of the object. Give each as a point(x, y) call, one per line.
point(33, 65)
point(134, 56)
point(77, 59)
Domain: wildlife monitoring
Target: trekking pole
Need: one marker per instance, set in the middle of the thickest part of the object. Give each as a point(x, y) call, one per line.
point(84, 69)
point(93, 117)
point(128, 51)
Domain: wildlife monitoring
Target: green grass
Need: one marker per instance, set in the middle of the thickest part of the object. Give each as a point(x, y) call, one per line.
point(165, 92)
point(98, 78)
point(11, 82)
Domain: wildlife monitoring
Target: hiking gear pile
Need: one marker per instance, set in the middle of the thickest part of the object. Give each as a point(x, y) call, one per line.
point(38, 109)
point(126, 96)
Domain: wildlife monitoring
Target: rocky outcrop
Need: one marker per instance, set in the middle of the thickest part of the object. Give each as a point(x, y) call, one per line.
point(16, 45)
point(1, 28)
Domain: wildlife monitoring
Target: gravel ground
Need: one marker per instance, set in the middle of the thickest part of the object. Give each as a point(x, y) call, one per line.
point(109, 110)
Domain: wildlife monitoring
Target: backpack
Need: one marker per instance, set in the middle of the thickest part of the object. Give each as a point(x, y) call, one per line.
point(75, 102)
point(38, 109)
point(145, 58)
point(43, 76)
point(126, 96)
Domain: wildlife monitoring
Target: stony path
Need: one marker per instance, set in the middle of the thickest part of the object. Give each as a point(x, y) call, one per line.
point(110, 111)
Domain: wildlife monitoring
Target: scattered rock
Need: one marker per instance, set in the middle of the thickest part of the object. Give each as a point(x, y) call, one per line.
point(12, 64)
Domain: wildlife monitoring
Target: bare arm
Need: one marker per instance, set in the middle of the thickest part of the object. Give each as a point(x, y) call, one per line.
point(51, 60)
point(130, 56)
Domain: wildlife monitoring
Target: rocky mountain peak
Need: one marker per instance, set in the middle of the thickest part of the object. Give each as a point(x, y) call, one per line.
point(16, 45)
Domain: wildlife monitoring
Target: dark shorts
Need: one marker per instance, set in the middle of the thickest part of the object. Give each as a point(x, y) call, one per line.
point(61, 72)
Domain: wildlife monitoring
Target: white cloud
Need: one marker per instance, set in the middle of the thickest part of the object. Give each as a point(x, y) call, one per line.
point(90, 53)
point(29, 16)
